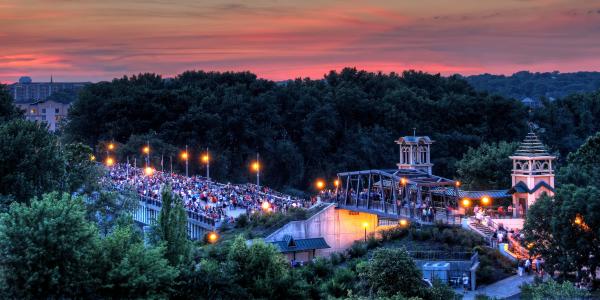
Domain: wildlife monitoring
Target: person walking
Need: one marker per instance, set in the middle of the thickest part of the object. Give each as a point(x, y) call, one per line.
point(528, 266)
point(465, 282)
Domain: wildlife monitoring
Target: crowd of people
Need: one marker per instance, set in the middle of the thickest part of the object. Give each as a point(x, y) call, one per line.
point(201, 195)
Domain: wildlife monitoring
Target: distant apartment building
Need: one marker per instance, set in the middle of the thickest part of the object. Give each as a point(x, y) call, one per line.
point(26, 91)
point(43, 101)
point(47, 111)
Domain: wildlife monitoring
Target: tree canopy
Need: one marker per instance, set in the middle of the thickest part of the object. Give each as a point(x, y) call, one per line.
point(487, 167)
point(303, 129)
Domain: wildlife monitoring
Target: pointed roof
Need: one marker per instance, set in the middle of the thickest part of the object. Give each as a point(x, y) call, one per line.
point(531, 146)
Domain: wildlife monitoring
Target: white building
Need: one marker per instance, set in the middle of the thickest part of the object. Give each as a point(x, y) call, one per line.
point(48, 111)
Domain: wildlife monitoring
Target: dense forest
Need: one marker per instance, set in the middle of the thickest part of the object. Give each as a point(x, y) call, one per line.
point(524, 84)
point(303, 129)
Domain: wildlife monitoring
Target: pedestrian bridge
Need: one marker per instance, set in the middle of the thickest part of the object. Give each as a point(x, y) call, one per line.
point(198, 225)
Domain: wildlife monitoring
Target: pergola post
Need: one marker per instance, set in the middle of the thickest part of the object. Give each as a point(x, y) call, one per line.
point(347, 189)
point(358, 190)
point(394, 198)
point(369, 192)
point(381, 191)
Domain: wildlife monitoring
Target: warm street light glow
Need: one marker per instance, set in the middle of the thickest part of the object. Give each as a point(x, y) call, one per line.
point(320, 184)
point(530, 245)
point(184, 155)
point(255, 166)
point(146, 149)
point(403, 222)
point(336, 183)
point(457, 183)
point(111, 146)
point(403, 181)
point(578, 220)
point(205, 158)
point(92, 157)
point(485, 200)
point(365, 224)
point(148, 171)
point(212, 237)
point(265, 205)
point(466, 202)
point(110, 161)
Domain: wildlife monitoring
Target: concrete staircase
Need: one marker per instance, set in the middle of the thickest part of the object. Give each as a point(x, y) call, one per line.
point(483, 230)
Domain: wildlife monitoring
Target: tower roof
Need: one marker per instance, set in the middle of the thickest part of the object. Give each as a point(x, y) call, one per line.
point(531, 146)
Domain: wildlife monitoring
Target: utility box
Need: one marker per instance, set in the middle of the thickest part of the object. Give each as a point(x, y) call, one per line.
point(436, 270)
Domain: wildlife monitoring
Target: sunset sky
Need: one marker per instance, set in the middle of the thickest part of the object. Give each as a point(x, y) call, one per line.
point(278, 39)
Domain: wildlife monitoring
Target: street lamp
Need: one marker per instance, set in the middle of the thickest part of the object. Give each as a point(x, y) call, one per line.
point(365, 225)
point(485, 200)
point(146, 151)
point(265, 205)
point(111, 146)
point(110, 161)
point(466, 202)
point(92, 157)
point(320, 184)
point(184, 156)
point(403, 181)
point(256, 168)
point(148, 171)
point(213, 237)
point(403, 222)
point(457, 183)
point(206, 160)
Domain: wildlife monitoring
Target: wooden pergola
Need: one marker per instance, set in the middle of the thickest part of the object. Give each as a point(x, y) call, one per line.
point(388, 191)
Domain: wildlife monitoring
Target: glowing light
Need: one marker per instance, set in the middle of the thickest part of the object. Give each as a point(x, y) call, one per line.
point(336, 183)
point(148, 171)
point(146, 149)
point(365, 224)
point(466, 202)
point(403, 222)
point(110, 161)
point(485, 200)
point(111, 146)
point(256, 166)
point(92, 157)
point(530, 245)
point(320, 184)
point(212, 237)
point(403, 181)
point(457, 183)
point(184, 155)
point(205, 158)
point(265, 205)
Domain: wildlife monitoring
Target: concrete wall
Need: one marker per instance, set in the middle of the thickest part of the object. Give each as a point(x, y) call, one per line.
point(339, 227)
point(513, 223)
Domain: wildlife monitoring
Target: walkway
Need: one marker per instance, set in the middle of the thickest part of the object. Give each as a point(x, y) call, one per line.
point(505, 288)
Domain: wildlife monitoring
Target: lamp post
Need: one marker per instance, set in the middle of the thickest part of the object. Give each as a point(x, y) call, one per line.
point(256, 168)
point(206, 160)
point(184, 156)
point(365, 225)
point(146, 151)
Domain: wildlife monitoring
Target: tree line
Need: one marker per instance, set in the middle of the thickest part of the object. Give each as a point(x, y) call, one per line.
point(303, 129)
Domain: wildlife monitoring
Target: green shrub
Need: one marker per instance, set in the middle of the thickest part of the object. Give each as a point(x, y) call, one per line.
point(358, 249)
point(552, 290)
point(394, 233)
point(242, 221)
point(373, 242)
point(337, 258)
point(342, 281)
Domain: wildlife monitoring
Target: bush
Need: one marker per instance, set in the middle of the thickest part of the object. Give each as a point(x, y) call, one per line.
point(394, 233)
point(373, 242)
point(342, 281)
point(552, 290)
point(241, 221)
point(358, 249)
point(337, 258)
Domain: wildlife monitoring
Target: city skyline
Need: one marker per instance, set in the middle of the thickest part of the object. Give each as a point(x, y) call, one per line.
point(90, 41)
